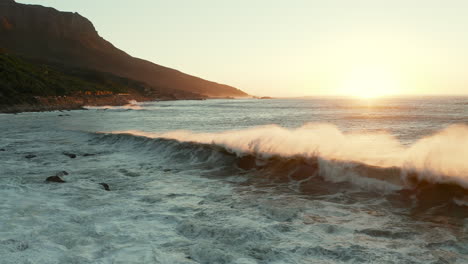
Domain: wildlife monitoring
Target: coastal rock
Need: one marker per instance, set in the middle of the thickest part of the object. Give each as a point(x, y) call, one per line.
point(70, 155)
point(30, 156)
point(55, 179)
point(105, 185)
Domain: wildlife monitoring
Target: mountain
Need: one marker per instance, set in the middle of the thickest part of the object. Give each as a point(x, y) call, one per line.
point(44, 87)
point(66, 39)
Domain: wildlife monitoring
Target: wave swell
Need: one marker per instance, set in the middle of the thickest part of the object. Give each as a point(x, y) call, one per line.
point(433, 168)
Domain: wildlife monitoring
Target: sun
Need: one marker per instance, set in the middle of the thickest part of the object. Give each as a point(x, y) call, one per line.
point(369, 83)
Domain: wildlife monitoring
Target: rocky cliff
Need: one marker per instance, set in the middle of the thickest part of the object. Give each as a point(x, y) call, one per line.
point(63, 38)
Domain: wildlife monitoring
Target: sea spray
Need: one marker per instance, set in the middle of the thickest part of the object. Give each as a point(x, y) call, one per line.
point(439, 158)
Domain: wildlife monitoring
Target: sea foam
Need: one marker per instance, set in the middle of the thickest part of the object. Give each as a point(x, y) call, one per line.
point(439, 158)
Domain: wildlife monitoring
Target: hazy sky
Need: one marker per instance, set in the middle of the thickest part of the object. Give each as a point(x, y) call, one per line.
point(295, 47)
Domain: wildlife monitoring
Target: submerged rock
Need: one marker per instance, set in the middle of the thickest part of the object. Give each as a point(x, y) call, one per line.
point(55, 179)
point(105, 185)
point(88, 154)
point(30, 156)
point(70, 155)
point(2, 149)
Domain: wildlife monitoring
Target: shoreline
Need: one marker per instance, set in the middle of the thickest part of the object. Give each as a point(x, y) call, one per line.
point(69, 103)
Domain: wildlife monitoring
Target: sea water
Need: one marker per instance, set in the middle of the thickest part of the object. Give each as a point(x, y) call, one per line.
point(317, 180)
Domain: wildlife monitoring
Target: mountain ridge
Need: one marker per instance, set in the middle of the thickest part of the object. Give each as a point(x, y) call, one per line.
point(51, 36)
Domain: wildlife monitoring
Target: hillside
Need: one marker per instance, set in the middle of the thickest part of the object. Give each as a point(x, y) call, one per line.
point(52, 37)
point(27, 83)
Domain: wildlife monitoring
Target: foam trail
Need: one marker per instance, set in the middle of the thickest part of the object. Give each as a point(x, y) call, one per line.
point(132, 105)
point(440, 158)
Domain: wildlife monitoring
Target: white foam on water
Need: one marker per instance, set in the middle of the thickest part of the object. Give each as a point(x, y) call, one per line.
point(438, 158)
point(167, 209)
point(132, 105)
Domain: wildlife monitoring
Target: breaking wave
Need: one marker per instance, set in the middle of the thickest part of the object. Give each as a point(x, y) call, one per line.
point(433, 166)
point(132, 105)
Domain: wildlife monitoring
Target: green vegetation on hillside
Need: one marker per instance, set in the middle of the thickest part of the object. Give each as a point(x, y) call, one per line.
point(20, 81)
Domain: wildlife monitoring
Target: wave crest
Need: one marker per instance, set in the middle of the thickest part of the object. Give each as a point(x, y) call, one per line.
point(439, 158)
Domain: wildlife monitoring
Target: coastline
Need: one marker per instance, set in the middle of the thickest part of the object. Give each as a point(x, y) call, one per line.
point(68, 103)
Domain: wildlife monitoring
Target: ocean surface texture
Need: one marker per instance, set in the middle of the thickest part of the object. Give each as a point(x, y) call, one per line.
point(238, 181)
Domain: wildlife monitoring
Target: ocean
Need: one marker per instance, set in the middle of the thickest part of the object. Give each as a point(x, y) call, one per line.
point(314, 180)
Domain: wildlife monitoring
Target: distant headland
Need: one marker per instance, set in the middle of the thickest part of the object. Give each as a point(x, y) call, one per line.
point(52, 60)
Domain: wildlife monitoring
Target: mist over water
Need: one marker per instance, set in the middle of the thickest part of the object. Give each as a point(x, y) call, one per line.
point(324, 180)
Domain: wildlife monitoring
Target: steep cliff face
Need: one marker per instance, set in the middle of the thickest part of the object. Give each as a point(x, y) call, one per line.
point(43, 20)
point(36, 31)
point(51, 36)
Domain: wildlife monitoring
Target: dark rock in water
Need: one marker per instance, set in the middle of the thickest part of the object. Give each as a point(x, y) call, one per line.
point(55, 179)
point(2, 149)
point(166, 170)
point(105, 185)
point(88, 154)
point(30, 156)
point(70, 155)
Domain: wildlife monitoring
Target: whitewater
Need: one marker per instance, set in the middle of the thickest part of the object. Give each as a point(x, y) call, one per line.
point(316, 180)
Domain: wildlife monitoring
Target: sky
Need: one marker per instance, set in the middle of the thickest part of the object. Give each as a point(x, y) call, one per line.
point(361, 48)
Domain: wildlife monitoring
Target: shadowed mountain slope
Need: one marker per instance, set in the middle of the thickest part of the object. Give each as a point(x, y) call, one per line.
point(50, 36)
point(36, 86)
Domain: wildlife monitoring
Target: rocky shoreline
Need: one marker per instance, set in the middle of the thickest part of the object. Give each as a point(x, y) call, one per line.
point(68, 103)
point(64, 103)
